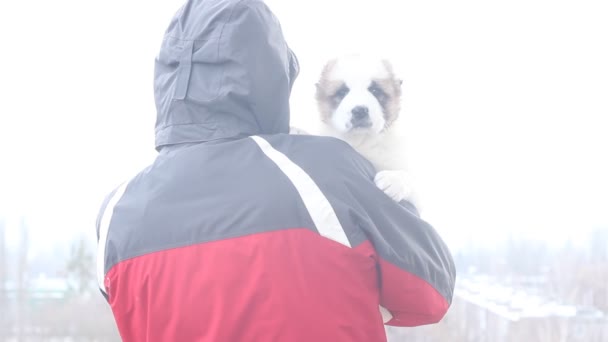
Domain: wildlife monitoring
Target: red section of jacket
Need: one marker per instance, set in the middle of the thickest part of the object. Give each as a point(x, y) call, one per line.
point(411, 301)
point(289, 285)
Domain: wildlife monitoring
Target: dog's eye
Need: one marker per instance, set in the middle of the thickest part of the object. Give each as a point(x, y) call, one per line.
point(376, 90)
point(343, 91)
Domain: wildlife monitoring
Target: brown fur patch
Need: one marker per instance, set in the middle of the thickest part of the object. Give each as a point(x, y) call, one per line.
point(392, 87)
point(326, 89)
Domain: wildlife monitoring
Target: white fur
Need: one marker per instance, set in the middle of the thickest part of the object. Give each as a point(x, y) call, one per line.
point(357, 72)
point(383, 147)
point(385, 151)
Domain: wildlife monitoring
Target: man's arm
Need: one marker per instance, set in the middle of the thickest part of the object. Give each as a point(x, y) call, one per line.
point(101, 227)
point(417, 272)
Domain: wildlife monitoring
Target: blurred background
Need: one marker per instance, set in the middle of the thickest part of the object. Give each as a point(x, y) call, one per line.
point(506, 119)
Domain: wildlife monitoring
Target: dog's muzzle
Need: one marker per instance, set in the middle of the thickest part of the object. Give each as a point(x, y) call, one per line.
point(360, 117)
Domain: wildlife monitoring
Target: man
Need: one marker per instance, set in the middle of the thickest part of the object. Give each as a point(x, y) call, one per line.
point(241, 232)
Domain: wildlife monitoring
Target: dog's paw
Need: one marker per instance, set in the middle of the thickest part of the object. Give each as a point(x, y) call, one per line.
point(395, 183)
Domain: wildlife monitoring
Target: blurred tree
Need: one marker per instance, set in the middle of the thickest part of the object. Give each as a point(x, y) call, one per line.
point(3, 278)
point(598, 240)
point(526, 257)
point(22, 281)
point(81, 267)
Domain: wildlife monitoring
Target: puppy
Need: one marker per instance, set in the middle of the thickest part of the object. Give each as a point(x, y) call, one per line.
point(359, 101)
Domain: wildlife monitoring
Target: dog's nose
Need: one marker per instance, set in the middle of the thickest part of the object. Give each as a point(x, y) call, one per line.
point(360, 113)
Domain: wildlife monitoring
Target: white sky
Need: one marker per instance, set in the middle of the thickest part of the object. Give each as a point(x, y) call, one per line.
point(506, 105)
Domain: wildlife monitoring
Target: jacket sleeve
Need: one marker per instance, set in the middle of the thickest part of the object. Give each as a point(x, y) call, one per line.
point(416, 269)
point(417, 272)
point(101, 233)
point(101, 211)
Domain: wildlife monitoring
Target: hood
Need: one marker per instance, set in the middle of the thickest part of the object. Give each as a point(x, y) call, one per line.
point(224, 70)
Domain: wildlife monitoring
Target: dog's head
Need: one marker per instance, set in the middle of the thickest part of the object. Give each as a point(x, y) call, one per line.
point(358, 95)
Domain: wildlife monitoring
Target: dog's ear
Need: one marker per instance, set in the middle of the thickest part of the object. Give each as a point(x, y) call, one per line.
point(318, 88)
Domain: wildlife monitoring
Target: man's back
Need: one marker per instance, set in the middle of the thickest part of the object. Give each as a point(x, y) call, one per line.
point(230, 242)
point(241, 232)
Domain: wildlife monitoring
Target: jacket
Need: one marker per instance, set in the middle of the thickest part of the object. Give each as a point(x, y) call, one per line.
point(239, 231)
